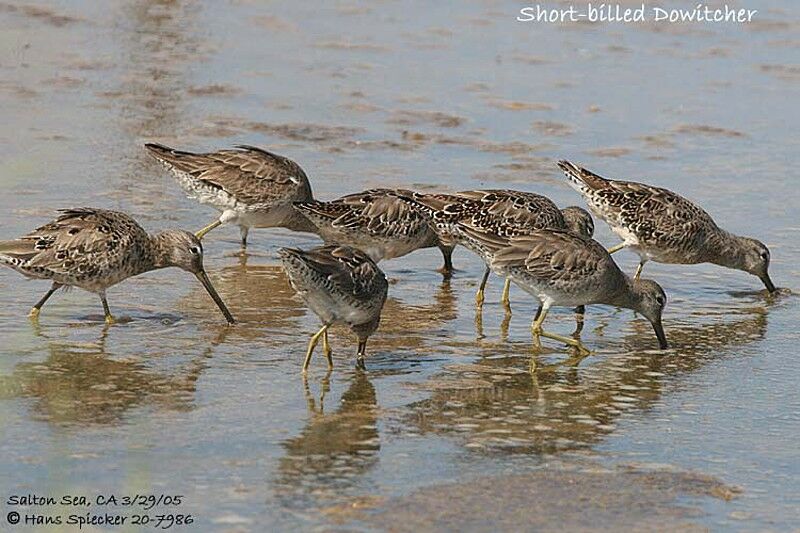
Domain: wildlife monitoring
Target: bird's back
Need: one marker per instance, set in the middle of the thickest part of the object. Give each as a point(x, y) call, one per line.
point(660, 223)
point(510, 213)
point(340, 283)
point(376, 221)
point(86, 247)
point(245, 177)
point(498, 212)
point(568, 268)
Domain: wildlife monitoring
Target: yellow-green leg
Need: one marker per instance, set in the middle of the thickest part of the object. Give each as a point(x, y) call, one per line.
point(202, 233)
point(34, 314)
point(313, 344)
point(536, 329)
point(106, 310)
point(616, 248)
point(326, 347)
point(536, 325)
point(479, 295)
point(505, 299)
point(638, 271)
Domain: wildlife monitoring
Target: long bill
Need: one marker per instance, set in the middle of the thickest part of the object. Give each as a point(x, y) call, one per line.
point(662, 338)
point(768, 282)
point(203, 278)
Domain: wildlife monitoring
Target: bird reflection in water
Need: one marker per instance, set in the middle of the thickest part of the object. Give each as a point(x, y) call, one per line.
point(334, 449)
point(82, 384)
point(497, 404)
point(406, 328)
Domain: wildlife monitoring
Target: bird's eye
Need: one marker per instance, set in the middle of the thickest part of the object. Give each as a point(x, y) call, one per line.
point(660, 300)
point(194, 250)
point(764, 256)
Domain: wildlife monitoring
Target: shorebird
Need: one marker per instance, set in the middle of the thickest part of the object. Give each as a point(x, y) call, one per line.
point(251, 187)
point(94, 249)
point(562, 269)
point(505, 213)
point(662, 226)
point(376, 221)
point(342, 285)
point(578, 221)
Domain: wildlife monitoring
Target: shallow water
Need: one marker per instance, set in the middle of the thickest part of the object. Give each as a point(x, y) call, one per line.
point(448, 420)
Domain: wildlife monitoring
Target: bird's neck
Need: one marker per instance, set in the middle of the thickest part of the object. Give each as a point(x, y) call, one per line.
point(298, 222)
point(627, 296)
point(157, 254)
point(725, 249)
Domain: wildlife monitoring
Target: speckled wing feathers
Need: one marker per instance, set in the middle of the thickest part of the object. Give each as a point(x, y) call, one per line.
point(658, 218)
point(78, 243)
point(504, 212)
point(254, 177)
point(348, 269)
point(548, 255)
point(379, 212)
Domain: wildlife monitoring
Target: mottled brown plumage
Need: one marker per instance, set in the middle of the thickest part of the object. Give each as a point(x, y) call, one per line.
point(377, 222)
point(94, 249)
point(250, 186)
point(342, 285)
point(560, 268)
point(665, 227)
point(500, 212)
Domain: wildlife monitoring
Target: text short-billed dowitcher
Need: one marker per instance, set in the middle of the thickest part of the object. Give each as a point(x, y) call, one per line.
point(506, 213)
point(94, 249)
point(252, 188)
point(560, 268)
point(342, 285)
point(377, 222)
point(662, 226)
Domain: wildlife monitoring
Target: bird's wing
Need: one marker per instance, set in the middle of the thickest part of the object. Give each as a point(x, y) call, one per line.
point(657, 216)
point(349, 269)
point(553, 255)
point(380, 212)
point(251, 175)
point(79, 240)
point(512, 212)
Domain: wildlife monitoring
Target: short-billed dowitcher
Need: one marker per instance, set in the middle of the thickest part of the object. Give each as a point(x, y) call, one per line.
point(506, 213)
point(560, 268)
point(253, 188)
point(342, 285)
point(662, 226)
point(94, 249)
point(377, 222)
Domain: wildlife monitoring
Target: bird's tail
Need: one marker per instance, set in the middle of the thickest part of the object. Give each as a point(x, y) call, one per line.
point(172, 158)
point(581, 178)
